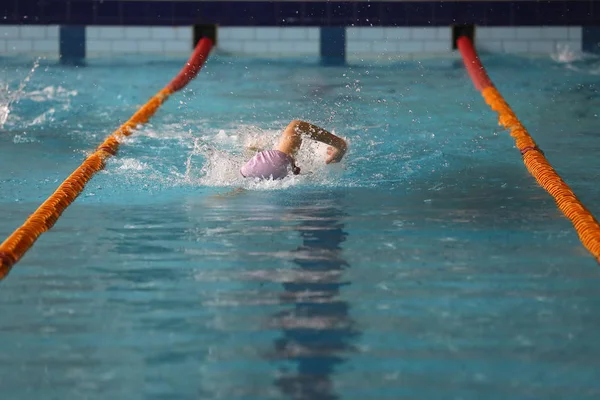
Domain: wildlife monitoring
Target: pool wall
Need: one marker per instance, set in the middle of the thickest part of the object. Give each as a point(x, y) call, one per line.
point(338, 29)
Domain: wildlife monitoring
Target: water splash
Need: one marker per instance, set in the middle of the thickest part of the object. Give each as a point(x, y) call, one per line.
point(576, 60)
point(564, 54)
point(214, 159)
point(208, 165)
point(217, 168)
point(42, 118)
point(12, 97)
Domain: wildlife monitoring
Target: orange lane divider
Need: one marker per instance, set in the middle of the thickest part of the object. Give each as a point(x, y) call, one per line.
point(17, 244)
point(585, 224)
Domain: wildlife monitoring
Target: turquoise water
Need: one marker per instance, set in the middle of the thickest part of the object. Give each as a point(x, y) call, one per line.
point(429, 264)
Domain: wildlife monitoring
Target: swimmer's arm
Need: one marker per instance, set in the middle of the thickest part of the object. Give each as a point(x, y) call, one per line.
point(320, 134)
point(298, 128)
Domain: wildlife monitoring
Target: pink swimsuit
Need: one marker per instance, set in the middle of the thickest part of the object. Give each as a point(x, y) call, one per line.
point(269, 164)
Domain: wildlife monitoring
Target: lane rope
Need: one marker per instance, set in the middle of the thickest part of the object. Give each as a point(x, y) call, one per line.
point(583, 221)
point(21, 240)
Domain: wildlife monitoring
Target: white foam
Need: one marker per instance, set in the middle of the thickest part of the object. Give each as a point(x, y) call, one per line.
point(4, 112)
point(208, 165)
point(23, 139)
point(132, 164)
point(9, 97)
point(564, 54)
point(48, 115)
point(577, 60)
point(50, 93)
point(174, 131)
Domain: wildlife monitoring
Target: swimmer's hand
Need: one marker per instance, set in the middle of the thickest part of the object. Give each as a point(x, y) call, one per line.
point(336, 153)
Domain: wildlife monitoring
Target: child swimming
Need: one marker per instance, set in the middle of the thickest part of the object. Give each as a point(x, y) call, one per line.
point(277, 163)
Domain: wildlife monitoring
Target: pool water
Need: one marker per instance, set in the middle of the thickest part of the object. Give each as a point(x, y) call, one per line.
point(428, 264)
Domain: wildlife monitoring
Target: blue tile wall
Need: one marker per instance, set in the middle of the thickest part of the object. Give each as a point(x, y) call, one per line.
point(333, 45)
point(299, 13)
point(590, 39)
point(72, 44)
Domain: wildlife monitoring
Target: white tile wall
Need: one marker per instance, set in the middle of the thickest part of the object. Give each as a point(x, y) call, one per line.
point(528, 32)
point(184, 33)
point(19, 46)
point(437, 46)
point(410, 47)
point(124, 46)
point(97, 46)
point(359, 46)
point(385, 47)
point(102, 40)
point(541, 46)
point(47, 46)
point(110, 32)
point(420, 33)
point(161, 32)
point(483, 33)
point(142, 32)
point(515, 46)
point(278, 46)
point(575, 32)
point(530, 40)
point(365, 33)
point(495, 33)
point(270, 41)
point(268, 33)
point(294, 34)
point(9, 32)
point(307, 48)
point(237, 33)
point(353, 33)
point(255, 47)
point(52, 32)
point(492, 46)
point(32, 32)
point(397, 33)
point(389, 41)
point(444, 33)
point(178, 46)
point(119, 40)
point(29, 39)
point(92, 32)
point(230, 46)
point(555, 32)
point(151, 46)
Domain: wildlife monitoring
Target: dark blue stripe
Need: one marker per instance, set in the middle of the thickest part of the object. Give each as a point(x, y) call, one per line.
point(72, 44)
point(591, 39)
point(333, 45)
point(300, 13)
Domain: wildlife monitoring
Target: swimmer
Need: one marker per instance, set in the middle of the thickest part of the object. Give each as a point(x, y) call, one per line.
point(277, 163)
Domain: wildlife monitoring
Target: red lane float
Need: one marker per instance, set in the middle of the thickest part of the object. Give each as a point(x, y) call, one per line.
point(21, 240)
point(193, 66)
point(473, 64)
point(583, 221)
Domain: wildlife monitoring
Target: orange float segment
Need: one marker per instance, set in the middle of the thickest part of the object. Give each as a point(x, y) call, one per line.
point(21, 240)
point(583, 221)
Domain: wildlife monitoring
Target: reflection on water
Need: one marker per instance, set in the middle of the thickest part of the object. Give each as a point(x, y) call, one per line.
point(317, 330)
